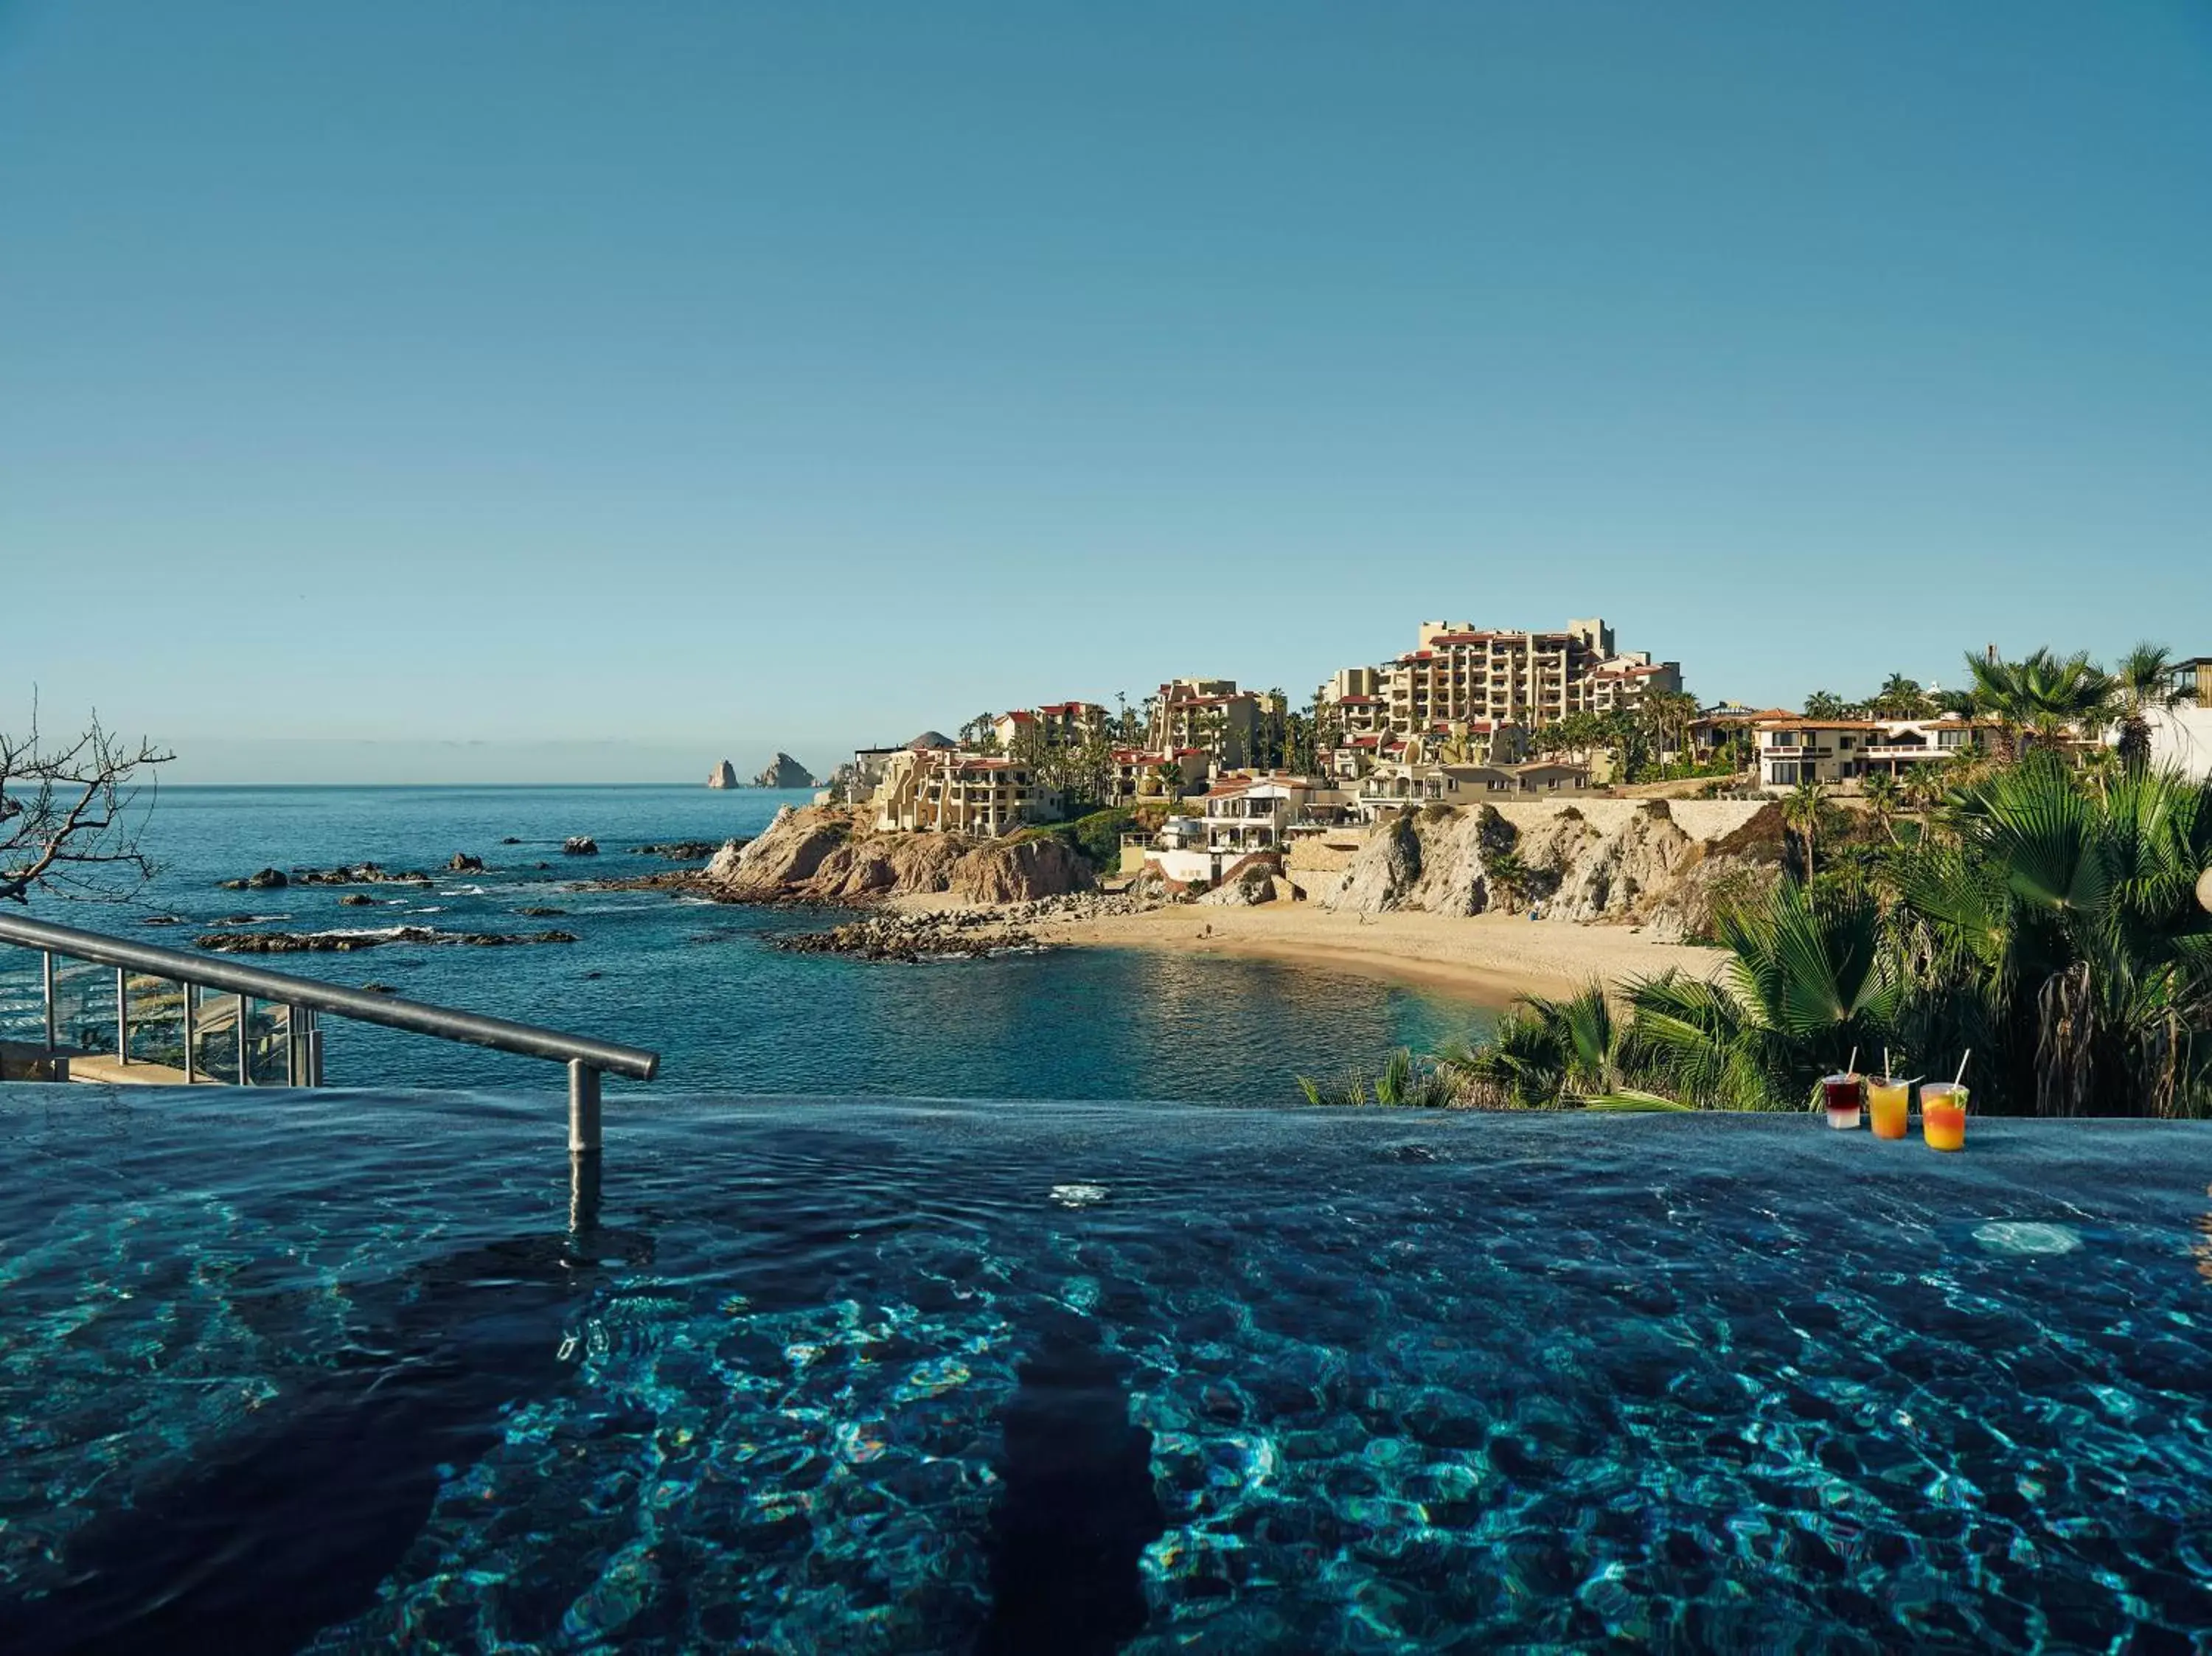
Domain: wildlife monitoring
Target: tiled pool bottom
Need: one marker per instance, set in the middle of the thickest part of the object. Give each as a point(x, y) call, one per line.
point(328, 1372)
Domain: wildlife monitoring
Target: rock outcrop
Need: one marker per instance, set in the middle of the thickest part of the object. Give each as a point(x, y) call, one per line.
point(462, 862)
point(579, 845)
point(1643, 869)
point(345, 943)
point(344, 874)
point(784, 772)
point(957, 933)
point(679, 850)
point(724, 775)
point(1382, 873)
point(827, 854)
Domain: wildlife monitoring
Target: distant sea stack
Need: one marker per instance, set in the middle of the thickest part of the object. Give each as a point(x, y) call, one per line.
point(785, 772)
point(725, 776)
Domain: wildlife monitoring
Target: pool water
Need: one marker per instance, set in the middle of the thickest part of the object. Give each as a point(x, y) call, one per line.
point(339, 1372)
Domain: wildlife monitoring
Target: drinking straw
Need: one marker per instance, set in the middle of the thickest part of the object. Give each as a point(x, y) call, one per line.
point(1852, 1068)
point(1885, 1060)
point(1961, 1076)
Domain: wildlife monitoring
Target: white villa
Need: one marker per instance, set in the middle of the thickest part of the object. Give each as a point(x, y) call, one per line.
point(1845, 750)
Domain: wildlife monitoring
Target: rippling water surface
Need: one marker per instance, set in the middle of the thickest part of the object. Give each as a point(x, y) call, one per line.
point(695, 982)
point(349, 1371)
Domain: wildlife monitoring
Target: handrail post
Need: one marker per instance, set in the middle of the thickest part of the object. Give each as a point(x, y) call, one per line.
point(191, 1029)
point(46, 978)
point(245, 1052)
point(583, 1108)
point(122, 1015)
point(314, 1048)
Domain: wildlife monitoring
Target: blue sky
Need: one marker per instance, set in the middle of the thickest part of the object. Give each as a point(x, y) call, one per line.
point(499, 391)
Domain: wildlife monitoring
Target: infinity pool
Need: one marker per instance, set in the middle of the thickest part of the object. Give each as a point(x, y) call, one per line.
point(334, 1372)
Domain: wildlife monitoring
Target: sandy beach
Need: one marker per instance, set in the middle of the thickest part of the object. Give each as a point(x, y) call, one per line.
point(1490, 959)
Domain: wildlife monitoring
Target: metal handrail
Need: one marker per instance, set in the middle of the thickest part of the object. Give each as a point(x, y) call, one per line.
point(585, 1057)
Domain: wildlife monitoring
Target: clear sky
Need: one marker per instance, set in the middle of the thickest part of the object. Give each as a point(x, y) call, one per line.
point(410, 388)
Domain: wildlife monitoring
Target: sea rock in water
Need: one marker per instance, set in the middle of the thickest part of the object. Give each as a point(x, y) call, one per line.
point(357, 874)
point(579, 845)
point(679, 850)
point(345, 943)
point(538, 912)
point(465, 863)
point(269, 879)
point(724, 775)
point(784, 772)
point(357, 899)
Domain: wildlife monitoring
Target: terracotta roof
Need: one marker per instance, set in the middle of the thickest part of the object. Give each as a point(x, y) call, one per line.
point(1800, 723)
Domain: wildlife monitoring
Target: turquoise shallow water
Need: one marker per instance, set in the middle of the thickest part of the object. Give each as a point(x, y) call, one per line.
point(695, 982)
point(349, 1373)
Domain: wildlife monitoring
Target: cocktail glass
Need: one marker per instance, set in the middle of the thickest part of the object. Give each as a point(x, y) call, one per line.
point(1843, 1094)
point(1943, 1115)
point(1889, 1105)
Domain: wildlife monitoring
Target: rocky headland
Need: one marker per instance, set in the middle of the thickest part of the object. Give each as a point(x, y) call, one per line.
point(828, 854)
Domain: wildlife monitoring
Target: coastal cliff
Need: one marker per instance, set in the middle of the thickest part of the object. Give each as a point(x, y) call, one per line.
point(828, 854)
point(1639, 867)
point(724, 775)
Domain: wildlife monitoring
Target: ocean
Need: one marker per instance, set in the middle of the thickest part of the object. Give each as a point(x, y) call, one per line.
point(697, 981)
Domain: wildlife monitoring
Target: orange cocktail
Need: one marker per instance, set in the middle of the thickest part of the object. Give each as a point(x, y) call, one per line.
point(1943, 1115)
point(1889, 1106)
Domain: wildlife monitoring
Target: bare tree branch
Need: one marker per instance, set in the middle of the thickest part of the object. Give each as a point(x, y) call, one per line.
point(70, 814)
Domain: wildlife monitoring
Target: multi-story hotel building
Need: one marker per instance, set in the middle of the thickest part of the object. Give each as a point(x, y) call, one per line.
point(1057, 724)
point(945, 790)
point(1211, 713)
point(1458, 674)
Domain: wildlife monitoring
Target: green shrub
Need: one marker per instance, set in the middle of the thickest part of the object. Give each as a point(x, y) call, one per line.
point(1098, 836)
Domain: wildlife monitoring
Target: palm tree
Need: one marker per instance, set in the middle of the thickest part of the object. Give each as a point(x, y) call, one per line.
point(1801, 813)
point(2063, 917)
point(2142, 684)
point(2041, 694)
point(1884, 799)
point(1546, 1052)
point(1826, 704)
point(1809, 980)
point(1899, 697)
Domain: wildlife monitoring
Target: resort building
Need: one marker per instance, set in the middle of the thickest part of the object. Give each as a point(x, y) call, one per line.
point(1398, 784)
point(2181, 736)
point(855, 781)
point(1246, 817)
point(1057, 724)
point(1351, 716)
point(1141, 776)
point(1842, 751)
point(1211, 714)
point(1458, 673)
point(947, 790)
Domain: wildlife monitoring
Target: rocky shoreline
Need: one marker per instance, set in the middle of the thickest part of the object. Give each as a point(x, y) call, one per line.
point(957, 933)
